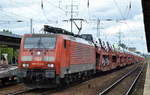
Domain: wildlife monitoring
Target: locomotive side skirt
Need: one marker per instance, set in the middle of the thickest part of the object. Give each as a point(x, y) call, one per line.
point(76, 68)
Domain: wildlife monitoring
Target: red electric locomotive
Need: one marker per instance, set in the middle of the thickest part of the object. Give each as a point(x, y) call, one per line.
point(47, 59)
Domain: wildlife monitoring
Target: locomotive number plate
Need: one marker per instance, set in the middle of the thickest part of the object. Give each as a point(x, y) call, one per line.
point(38, 64)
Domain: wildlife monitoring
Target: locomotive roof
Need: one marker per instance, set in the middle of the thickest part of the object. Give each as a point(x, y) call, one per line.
point(67, 37)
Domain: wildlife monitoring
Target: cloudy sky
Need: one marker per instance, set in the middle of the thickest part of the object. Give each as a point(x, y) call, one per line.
point(126, 18)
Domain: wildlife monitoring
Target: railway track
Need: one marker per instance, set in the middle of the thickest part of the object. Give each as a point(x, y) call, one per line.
point(91, 87)
point(74, 88)
point(33, 92)
point(12, 89)
point(111, 89)
point(21, 91)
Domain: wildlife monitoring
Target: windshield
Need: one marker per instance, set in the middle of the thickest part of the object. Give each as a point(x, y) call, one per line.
point(40, 42)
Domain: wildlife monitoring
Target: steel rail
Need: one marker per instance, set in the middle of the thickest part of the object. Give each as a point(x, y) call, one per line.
point(135, 81)
point(116, 82)
point(21, 92)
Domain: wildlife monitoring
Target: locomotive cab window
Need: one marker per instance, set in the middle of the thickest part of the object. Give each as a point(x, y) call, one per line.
point(41, 42)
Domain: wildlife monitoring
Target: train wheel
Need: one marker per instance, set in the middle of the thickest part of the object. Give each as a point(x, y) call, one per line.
point(58, 83)
point(67, 81)
point(59, 86)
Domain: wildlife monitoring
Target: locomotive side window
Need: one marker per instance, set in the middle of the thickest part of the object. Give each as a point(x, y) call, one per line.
point(65, 43)
point(40, 42)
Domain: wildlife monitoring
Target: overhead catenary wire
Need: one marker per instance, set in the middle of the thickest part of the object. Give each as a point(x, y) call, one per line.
point(119, 9)
point(45, 15)
point(123, 17)
point(3, 13)
point(48, 20)
point(129, 9)
point(16, 16)
point(23, 17)
point(42, 8)
point(61, 9)
point(11, 14)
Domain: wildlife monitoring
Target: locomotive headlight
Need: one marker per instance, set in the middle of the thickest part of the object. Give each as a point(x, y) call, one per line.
point(50, 65)
point(25, 65)
point(38, 53)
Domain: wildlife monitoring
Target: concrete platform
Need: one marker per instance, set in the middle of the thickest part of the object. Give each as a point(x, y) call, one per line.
point(147, 81)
